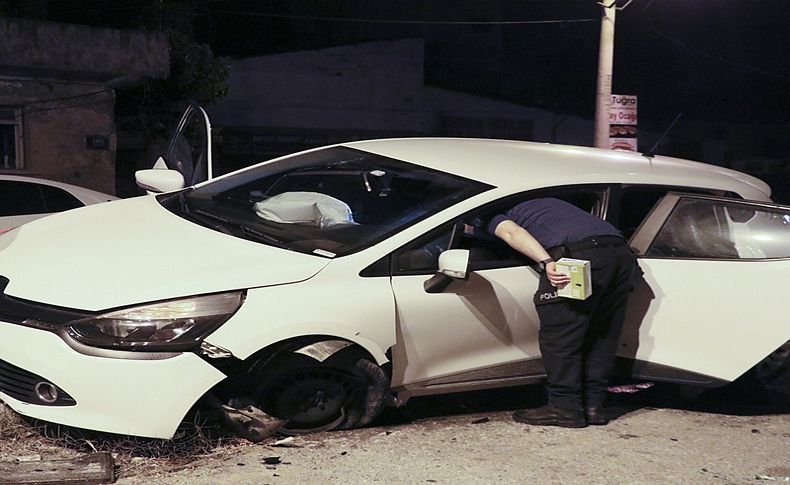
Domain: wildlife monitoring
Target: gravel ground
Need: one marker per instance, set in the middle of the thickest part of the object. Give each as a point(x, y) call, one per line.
point(649, 446)
point(471, 438)
point(722, 438)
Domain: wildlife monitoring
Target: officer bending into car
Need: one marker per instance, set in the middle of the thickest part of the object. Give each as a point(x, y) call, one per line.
point(578, 338)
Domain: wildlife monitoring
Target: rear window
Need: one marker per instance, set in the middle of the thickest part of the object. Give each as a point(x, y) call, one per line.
point(711, 229)
point(20, 198)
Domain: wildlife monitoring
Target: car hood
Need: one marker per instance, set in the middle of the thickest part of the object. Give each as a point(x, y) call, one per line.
point(133, 251)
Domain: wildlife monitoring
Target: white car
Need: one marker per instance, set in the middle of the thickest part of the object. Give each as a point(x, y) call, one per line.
point(320, 287)
point(24, 199)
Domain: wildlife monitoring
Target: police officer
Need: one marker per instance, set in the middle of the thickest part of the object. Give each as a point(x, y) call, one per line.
point(578, 338)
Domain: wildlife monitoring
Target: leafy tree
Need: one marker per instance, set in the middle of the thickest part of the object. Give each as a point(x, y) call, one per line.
point(151, 109)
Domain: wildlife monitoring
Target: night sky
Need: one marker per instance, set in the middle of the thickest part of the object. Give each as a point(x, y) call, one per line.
point(709, 59)
point(726, 61)
point(715, 59)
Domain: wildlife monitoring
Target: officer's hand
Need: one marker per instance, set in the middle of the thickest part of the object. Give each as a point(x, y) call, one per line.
point(557, 280)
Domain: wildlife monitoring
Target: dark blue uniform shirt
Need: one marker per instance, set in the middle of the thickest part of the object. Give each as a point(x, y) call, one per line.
point(554, 222)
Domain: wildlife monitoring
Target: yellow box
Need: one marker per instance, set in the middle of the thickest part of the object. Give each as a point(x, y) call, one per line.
point(580, 286)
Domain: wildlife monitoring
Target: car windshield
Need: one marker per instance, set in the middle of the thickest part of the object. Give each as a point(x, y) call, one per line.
point(329, 202)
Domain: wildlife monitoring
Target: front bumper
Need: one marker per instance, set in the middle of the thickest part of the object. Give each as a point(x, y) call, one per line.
point(137, 397)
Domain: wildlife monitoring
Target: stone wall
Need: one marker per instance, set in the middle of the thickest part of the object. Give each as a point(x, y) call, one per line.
point(56, 139)
point(81, 53)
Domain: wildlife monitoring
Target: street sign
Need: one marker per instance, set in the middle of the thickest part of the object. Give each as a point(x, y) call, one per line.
point(623, 123)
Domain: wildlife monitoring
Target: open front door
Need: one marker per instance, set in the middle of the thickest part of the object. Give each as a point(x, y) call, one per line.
point(474, 334)
point(189, 150)
point(187, 160)
point(712, 303)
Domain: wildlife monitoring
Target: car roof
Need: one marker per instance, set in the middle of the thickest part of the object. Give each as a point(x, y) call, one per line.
point(519, 165)
point(84, 194)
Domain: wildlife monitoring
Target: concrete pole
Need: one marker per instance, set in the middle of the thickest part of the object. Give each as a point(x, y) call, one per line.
point(603, 99)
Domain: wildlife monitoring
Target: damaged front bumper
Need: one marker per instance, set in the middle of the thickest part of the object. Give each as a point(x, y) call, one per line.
point(42, 377)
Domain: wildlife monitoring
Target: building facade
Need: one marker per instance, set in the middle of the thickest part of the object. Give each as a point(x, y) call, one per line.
point(57, 96)
point(282, 103)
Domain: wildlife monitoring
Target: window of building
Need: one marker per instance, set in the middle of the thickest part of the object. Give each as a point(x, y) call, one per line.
point(10, 139)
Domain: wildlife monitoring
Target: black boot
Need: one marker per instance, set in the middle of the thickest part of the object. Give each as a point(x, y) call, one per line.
point(551, 416)
point(596, 415)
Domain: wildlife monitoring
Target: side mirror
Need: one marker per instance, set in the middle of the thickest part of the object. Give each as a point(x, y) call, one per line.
point(155, 180)
point(160, 163)
point(453, 265)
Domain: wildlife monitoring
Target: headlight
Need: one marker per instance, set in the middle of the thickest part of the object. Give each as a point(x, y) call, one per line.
point(167, 325)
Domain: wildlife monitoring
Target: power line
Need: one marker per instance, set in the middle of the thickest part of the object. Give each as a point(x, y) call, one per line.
point(135, 8)
point(406, 22)
point(178, 6)
point(700, 52)
point(30, 109)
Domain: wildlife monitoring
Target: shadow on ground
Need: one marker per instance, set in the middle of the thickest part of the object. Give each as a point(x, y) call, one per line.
point(732, 400)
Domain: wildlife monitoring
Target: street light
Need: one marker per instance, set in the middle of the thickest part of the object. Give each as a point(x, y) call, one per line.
point(603, 99)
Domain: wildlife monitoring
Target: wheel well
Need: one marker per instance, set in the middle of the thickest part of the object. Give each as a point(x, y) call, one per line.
point(337, 352)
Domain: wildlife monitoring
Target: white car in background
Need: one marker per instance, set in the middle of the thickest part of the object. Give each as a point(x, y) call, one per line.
point(24, 199)
point(320, 287)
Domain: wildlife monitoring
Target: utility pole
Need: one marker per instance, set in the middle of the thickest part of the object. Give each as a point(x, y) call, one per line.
point(603, 98)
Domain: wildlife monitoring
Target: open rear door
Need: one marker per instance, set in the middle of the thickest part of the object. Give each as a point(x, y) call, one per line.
point(713, 301)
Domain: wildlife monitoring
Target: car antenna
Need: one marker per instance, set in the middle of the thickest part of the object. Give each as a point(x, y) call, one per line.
point(652, 152)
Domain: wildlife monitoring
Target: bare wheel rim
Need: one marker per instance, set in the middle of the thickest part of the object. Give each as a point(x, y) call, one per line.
point(311, 399)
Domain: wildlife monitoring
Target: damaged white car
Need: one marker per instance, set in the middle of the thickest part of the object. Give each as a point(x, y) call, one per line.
point(321, 287)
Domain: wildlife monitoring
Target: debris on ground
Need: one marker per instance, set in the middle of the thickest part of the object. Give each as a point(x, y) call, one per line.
point(92, 468)
point(251, 423)
point(34, 457)
point(769, 477)
point(288, 442)
point(630, 388)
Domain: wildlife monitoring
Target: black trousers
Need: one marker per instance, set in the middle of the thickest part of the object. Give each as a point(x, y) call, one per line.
point(578, 338)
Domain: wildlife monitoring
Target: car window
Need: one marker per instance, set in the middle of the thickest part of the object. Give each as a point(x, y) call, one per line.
point(422, 257)
point(636, 201)
point(713, 229)
point(20, 198)
point(188, 149)
point(485, 250)
point(591, 202)
point(58, 200)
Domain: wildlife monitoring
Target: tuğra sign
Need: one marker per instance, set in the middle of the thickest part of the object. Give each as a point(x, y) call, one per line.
point(622, 123)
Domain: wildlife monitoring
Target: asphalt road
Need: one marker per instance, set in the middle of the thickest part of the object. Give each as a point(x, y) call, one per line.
point(722, 437)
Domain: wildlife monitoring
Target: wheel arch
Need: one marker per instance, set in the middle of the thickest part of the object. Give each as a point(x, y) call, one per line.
point(321, 347)
point(249, 347)
point(307, 354)
point(302, 344)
